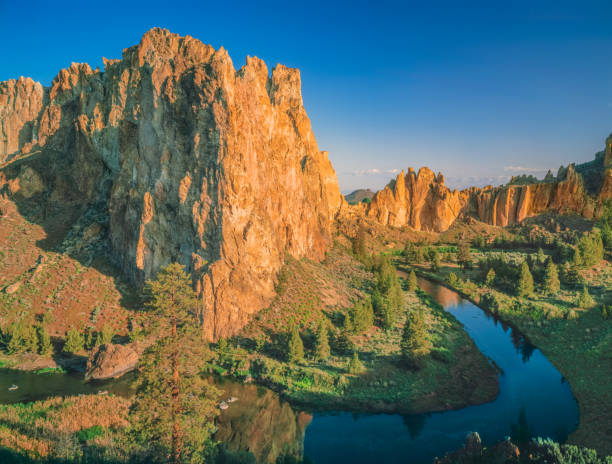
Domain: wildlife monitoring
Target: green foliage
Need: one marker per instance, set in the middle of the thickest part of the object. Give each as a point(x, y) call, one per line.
point(435, 261)
point(105, 336)
point(75, 342)
point(464, 255)
point(174, 406)
point(412, 282)
point(605, 225)
point(90, 433)
point(606, 312)
point(490, 278)
point(322, 351)
point(362, 316)
point(589, 249)
point(551, 279)
point(524, 285)
point(413, 253)
point(585, 300)
point(295, 347)
point(414, 344)
point(20, 338)
point(387, 298)
point(355, 366)
point(541, 257)
point(359, 242)
point(343, 343)
point(44, 342)
point(452, 279)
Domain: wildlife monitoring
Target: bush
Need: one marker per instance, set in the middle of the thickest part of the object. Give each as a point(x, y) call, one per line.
point(90, 433)
point(452, 279)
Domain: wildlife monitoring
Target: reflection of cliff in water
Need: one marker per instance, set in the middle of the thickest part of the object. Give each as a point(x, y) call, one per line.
point(260, 423)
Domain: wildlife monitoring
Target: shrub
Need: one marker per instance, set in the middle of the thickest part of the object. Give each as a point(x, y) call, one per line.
point(490, 278)
point(585, 300)
point(452, 279)
point(90, 433)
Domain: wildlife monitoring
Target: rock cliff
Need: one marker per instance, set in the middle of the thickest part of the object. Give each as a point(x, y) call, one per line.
point(423, 202)
point(194, 161)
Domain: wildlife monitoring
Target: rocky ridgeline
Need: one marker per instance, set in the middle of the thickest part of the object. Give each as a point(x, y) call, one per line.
point(423, 202)
point(195, 162)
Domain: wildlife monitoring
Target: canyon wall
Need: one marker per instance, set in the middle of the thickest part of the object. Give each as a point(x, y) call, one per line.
point(195, 162)
point(423, 202)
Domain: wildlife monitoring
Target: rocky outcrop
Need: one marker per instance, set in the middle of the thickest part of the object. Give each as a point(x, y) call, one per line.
point(197, 162)
point(423, 202)
point(110, 361)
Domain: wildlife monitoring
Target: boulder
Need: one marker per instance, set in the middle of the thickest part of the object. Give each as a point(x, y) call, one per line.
point(110, 361)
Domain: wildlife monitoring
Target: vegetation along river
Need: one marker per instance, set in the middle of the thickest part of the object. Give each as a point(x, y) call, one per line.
point(534, 400)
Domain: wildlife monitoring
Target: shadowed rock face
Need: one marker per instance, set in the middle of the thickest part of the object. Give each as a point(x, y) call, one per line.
point(423, 202)
point(197, 163)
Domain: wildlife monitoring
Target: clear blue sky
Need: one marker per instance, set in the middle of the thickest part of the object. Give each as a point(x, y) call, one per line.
point(477, 90)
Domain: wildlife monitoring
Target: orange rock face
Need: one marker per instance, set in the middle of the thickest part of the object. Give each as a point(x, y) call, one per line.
point(423, 201)
point(198, 162)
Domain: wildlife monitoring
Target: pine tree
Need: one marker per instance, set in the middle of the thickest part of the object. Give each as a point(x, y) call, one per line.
point(105, 336)
point(551, 278)
point(415, 344)
point(541, 256)
point(585, 300)
point(355, 365)
point(44, 342)
point(322, 351)
point(75, 342)
point(452, 279)
point(412, 282)
point(490, 278)
point(31, 339)
point(525, 284)
point(343, 343)
point(16, 339)
point(435, 261)
point(295, 347)
point(362, 316)
point(174, 405)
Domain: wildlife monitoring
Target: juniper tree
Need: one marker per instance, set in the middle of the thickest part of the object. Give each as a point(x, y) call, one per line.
point(44, 342)
point(525, 283)
point(490, 278)
point(295, 347)
point(355, 365)
point(359, 245)
point(322, 350)
point(105, 336)
point(174, 404)
point(412, 281)
point(551, 278)
point(464, 255)
point(435, 261)
point(585, 300)
point(362, 316)
point(75, 342)
point(415, 344)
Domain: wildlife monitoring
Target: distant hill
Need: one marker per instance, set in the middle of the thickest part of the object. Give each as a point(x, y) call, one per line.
point(358, 196)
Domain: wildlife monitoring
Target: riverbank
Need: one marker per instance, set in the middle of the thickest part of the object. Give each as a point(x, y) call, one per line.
point(454, 375)
point(579, 345)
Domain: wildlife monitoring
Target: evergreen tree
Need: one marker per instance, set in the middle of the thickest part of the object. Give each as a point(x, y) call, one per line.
point(355, 365)
point(585, 300)
point(415, 344)
point(362, 316)
point(295, 347)
point(589, 249)
point(31, 339)
point(490, 278)
point(343, 343)
point(412, 281)
point(322, 350)
point(359, 245)
point(75, 341)
point(174, 405)
point(16, 339)
point(105, 336)
point(90, 338)
point(435, 261)
point(452, 279)
point(551, 278)
point(525, 283)
point(464, 255)
point(541, 256)
point(44, 342)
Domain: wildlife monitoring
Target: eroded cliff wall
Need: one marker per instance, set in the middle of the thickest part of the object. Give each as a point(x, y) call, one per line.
point(197, 162)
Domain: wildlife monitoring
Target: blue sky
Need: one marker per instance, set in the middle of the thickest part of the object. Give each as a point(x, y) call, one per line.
point(477, 90)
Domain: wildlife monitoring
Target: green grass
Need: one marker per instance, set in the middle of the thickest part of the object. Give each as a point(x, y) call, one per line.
point(50, 370)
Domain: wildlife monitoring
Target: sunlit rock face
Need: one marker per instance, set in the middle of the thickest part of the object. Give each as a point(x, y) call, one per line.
point(198, 162)
point(423, 202)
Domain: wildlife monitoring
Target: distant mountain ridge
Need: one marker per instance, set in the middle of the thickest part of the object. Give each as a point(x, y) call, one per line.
point(358, 196)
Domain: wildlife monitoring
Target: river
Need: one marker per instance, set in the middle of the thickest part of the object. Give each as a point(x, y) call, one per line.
point(534, 400)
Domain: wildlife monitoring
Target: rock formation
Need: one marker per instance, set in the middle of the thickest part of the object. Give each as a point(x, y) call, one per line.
point(194, 161)
point(423, 202)
point(110, 361)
